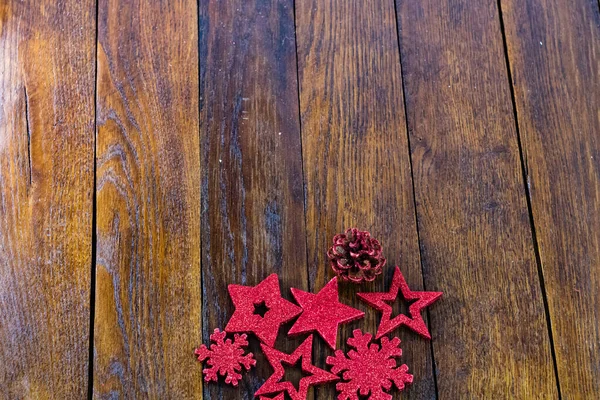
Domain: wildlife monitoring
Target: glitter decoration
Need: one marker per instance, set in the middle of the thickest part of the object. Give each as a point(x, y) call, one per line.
point(381, 302)
point(369, 369)
point(225, 357)
point(280, 396)
point(355, 256)
point(248, 317)
point(323, 313)
point(314, 375)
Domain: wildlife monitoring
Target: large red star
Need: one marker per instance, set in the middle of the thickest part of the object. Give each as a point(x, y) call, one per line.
point(266, 294)
point(381, 301)
point(315, 376)
point(280, 396)
point(323, 313)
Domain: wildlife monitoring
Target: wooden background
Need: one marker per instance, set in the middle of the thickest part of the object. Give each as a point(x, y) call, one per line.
point(151, 152)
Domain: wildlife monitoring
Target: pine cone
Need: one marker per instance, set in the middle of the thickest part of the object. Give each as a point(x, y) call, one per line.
point(356, 256)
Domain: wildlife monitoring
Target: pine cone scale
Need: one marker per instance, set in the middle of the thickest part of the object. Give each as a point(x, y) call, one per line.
point(356, 256)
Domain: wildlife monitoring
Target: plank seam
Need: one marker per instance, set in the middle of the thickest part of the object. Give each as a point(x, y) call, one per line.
point(304, 199)
point(525, 175)
point(94, 237)
point(28, 132)
point(304, 192)
point(200, 104)
point(414, 197)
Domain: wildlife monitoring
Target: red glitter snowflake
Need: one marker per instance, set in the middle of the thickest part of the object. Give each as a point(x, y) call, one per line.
point(225, 357)
point(369, 369)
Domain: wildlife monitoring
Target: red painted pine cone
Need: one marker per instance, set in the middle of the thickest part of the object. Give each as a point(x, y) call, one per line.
point(355, 256)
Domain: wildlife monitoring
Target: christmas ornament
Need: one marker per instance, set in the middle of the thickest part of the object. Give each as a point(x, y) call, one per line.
point(276, 358)
point(225, 357)
point(322, 312)
point(355, 256)
point(369, 369)
point(381, 302)
point(249, 300)
point(280, 396)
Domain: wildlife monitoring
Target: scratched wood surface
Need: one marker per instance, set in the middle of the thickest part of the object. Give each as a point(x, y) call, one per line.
point(151, 153)
point(148, 295)
point(554, 53)
point(356, 160)
point(252, 192)
point(475, 234)
point(47, 63)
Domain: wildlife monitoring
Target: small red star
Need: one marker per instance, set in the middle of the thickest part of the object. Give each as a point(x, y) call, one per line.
point(266, 294)
point(415, 321)
point(276, 358)
point(323, 313)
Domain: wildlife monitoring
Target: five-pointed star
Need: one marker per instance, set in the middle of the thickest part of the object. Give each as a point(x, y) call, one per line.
point(247, 298)
point(415, 321)
point(323, 313)
point(280, 396)
point(314, 376)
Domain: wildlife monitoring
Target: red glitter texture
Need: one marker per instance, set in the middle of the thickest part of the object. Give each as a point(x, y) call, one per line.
point(225, 357)
point(369, 369)
point(381, 302)
point(280, 396)
point(355, 256)
point(247, 298)
point(315, 376)
point(323, 313)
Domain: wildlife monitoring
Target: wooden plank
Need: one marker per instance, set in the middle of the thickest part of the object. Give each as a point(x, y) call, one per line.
point(148, 289)
point(476, 241)
point(252, 193)
point(356, 159)
point(46, 187)
point(554, 53)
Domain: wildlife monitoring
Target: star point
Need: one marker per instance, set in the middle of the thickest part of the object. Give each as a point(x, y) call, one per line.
point(415, 322)
point(323, 313)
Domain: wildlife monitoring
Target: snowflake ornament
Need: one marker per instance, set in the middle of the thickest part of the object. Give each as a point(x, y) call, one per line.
point(225, 357)
point(369, 368)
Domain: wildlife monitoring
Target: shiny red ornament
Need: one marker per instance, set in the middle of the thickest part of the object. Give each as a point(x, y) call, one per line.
point(315, 375)
point(355, 256)
point(381, 302)
point(369, 369)
point(247, 300)
point(225, 357)
point(323, 313)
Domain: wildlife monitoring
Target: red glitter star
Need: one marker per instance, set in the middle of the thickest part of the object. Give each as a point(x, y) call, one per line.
point(266, 294)
point(280, 396)
point(315, 375)
point(415, 321)
point(323, 313)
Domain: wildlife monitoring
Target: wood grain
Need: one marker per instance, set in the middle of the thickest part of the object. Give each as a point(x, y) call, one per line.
point(148, 289)
point(46, 186)
point(356, 159)
point(252, 193)
point(476, 241)
point(554, 53)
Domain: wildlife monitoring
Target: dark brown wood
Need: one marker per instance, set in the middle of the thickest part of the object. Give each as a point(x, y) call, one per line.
point(356, 159)
point(476, 241)
point(252, 193)
point(554, 53)
point(148, 289)
point(46, 186)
